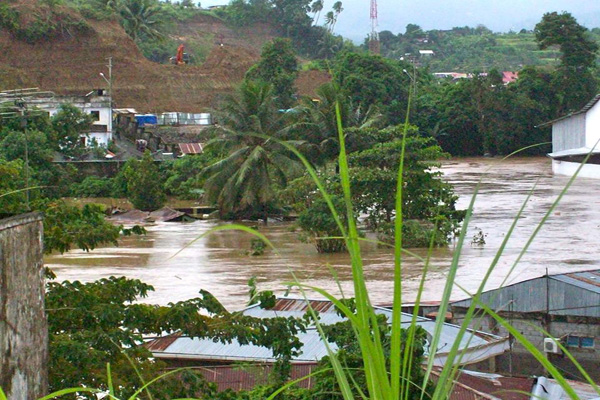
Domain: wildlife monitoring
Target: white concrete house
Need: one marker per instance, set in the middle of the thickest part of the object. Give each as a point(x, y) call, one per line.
point(574, 136)
point(97, 103)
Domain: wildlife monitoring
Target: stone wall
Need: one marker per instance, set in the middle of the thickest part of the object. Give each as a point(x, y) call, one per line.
point(23, 327)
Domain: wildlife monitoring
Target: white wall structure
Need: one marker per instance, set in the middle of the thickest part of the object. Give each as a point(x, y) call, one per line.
point(96, 103)
point(574, 137)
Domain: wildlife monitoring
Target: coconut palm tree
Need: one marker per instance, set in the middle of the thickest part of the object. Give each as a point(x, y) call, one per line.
point(316, 8)
point(320, 124)
point(242, 184)
point(140, 18)
point(330, 21)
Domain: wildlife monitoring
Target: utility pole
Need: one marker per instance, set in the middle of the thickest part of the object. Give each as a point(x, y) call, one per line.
point(24, 126)
point(110, 79)
point(110, 94)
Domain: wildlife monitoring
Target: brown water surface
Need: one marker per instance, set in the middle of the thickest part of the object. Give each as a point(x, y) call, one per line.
point(218, 263)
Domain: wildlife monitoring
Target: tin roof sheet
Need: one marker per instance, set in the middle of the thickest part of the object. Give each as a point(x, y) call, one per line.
point(207, 349)
point(313, 347)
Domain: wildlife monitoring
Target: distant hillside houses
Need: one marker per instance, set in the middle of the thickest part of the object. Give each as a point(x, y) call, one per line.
point(507, 76)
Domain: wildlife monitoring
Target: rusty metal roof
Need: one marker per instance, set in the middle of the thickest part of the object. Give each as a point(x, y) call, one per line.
point(191, 148)
point(161, 343)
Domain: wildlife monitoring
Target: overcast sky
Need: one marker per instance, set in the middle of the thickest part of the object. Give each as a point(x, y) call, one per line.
point(498, 15)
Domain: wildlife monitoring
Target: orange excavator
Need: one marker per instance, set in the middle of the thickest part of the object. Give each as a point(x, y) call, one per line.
point(181, 57)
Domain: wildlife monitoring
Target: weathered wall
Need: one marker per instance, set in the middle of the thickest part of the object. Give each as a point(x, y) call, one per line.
point(521, 362)
point(23, 327)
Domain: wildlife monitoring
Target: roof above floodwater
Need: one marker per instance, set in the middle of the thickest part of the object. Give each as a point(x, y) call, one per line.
point(572, 293)
point(476, 346)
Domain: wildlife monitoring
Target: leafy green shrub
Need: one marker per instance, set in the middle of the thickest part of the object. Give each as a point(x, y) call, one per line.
point(48, 24)
point(9, 17)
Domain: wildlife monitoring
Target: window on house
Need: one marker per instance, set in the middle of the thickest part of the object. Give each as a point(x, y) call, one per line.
point(583, 342)
point(95, 115)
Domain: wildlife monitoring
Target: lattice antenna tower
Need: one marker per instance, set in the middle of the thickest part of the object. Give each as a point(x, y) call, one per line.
point(374, 46)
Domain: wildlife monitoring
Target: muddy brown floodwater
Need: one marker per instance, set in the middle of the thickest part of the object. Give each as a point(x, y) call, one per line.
point(218, 263)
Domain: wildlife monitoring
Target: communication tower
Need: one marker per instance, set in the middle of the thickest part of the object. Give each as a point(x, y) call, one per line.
point(374, 46)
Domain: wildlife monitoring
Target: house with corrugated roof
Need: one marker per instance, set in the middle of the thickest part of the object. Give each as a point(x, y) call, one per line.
point(177, 350)
point(574, 137)
point(550, 308)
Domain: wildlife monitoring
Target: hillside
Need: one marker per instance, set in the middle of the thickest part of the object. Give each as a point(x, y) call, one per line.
point(71, 62)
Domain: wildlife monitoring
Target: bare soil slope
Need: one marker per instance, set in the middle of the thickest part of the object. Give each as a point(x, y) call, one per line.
point(71, 64)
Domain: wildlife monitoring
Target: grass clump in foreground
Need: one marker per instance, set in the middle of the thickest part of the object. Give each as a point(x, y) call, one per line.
point(381, 360)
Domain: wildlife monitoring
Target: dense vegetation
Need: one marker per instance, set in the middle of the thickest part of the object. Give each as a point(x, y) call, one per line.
point(467, 49)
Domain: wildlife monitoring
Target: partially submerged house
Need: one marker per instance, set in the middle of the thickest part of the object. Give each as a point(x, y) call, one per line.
point(574, 137)
point(563, 307)
point(96, 103)
point(176, 350)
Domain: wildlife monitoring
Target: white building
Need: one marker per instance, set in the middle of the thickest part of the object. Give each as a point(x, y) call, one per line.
point(574, 137)
point(97, 103)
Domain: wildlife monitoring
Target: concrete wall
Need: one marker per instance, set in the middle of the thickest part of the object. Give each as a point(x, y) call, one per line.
point(23, 327)
point(521, 362)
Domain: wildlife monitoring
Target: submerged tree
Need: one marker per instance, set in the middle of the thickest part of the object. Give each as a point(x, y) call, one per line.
point(144, 183)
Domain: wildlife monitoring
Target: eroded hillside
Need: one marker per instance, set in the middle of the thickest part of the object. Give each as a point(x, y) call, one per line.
point(70, 62)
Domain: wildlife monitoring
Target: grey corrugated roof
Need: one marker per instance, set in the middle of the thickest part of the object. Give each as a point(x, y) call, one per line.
point(313, 347)
point(585, 109)
point(587, 280)
point(297, 308)
point(207, 349)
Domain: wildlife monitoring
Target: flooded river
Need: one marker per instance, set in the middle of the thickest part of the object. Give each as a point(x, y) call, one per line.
point(219, 263)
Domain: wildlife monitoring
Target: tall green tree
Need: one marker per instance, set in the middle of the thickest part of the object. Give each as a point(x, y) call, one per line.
point(242, 184)
point(144, 183)
point(373, 80)
point(277, 66)
point(70, 124)
point(574, 78)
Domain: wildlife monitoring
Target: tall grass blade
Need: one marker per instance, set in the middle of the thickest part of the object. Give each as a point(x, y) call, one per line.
point(439, 322)
point(63, 392)
point(396, 340)
point(111, 389)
